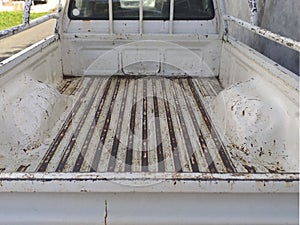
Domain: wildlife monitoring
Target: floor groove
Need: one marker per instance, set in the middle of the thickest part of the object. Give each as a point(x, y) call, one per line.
point(148, 124)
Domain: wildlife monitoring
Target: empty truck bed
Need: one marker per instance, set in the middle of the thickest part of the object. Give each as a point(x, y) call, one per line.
point(137, 124)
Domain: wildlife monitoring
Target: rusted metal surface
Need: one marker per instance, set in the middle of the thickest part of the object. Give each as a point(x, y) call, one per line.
point(290, 43)
point(138, 124)
point(21, 56)
point(132, 141)
point(22, 27)
point(59, 12)
point(26, 14)
point(109, 98)
point(253, 12)
point(223, 24)
point(141, 55)
point(263, 177)
point(267, 67)
point(150, 182)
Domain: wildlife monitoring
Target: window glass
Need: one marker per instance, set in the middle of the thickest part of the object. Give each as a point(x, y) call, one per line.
point(152, 9)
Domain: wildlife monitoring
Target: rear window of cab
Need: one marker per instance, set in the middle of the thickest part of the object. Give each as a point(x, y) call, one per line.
point(152, 9)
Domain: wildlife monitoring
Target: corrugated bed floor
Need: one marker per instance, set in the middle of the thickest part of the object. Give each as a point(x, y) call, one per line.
point(148, 124)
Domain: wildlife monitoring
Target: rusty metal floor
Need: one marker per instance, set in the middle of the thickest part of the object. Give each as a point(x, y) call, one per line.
point(149, 124)
point(138, 124)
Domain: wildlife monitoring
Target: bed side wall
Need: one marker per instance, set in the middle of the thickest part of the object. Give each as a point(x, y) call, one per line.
point(258, 111)
point(30, 104)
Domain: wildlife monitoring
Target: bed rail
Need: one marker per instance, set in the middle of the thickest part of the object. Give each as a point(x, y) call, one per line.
point(27, 24)
point(288, 42)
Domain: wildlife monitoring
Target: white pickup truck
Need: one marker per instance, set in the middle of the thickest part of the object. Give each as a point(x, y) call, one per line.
point(147, 112)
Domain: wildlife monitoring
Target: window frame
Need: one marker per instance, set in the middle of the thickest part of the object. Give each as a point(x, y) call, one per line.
point(136, 18)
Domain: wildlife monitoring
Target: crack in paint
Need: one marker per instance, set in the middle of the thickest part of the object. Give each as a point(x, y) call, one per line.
point(105, 213)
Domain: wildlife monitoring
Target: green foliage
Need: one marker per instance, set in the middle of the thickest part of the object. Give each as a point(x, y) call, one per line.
point(10, 19)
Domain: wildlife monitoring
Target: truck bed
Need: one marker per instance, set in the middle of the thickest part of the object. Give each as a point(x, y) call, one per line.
point(137, 124)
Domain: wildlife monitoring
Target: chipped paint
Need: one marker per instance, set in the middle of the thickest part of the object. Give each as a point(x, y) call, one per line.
point(26, 14)
point(186, 105)
point(288, 42)
point(16, 29)
point(150, 182)
point(253, 12)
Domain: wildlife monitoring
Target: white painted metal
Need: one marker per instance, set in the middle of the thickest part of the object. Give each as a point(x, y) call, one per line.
point(253, 12)
point(18, 58)
point(151, 208)
point(22, 27)
point(150, 182)
point(247, 109)
point(121, 56)
point(32, 112)
point(285, 81)
point(171, 27)
point(33, 107)
point(129, 27)
point(59, 16)
point(26, 14)
point(265, 33)
point(132, 26)
point(223, 27)
point(216, 198)
point(169, 159)
point(141, 16)
point(246, 153)
point(110, 11)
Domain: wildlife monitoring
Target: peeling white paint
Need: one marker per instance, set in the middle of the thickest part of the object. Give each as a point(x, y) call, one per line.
point(258, 122)
point(253, 12)
point(16, 29)
point(28, 110)
point(288, 42)
point(258, 108)
point(26, 14)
